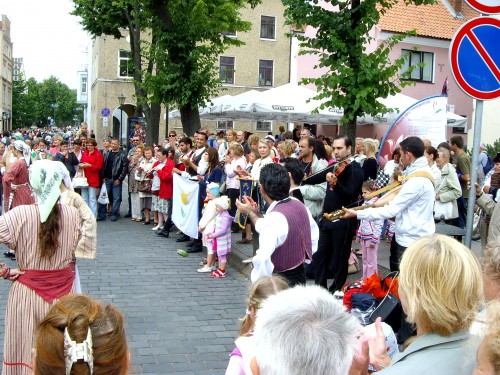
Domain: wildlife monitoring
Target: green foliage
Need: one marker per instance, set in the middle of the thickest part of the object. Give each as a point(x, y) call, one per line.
point(354, 78)
point(32, 100)
point(177, 63)
point(493, 149)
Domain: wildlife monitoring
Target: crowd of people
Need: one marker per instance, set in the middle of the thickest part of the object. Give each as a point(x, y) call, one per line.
point(281, 193)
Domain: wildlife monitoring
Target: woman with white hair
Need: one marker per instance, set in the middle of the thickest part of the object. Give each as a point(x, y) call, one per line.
point(45, 237)
point(440, 288)
point(16, 186)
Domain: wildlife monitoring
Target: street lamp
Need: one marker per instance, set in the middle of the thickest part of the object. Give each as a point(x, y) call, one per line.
point(54, 107)
point(121, 100)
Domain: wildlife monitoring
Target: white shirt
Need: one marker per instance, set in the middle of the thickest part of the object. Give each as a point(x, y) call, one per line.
point(413, 207)
point(273, 231)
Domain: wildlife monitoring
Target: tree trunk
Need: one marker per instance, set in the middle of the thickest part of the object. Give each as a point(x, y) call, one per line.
point(190, 119)
point(349, 130)
point(153, 124)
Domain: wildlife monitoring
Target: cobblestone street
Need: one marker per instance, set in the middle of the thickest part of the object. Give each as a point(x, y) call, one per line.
point(178, 321)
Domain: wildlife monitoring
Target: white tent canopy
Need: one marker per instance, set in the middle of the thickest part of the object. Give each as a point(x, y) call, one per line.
point(293, 103)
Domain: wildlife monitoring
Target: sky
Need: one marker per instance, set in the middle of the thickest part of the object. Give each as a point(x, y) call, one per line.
point(47, 37)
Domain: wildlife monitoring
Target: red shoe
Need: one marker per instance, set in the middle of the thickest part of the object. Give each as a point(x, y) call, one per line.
point(218, 274)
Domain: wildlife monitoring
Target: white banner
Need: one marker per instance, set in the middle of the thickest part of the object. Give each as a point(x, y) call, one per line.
point(185, 205)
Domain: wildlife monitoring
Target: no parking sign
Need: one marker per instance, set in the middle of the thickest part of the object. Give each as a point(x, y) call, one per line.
point(475, 58)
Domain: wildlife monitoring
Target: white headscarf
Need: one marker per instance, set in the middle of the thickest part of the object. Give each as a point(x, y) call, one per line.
point(25, 149)
point(45, 178)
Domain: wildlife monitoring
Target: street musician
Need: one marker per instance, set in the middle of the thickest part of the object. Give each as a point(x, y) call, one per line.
point(412, 207)
point(343, 189)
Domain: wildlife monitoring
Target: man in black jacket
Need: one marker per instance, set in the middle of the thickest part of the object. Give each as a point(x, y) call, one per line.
point(335, 238)
point(113, 172)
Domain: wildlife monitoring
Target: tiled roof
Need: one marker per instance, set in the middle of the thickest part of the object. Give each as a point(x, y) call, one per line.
point(433, 21)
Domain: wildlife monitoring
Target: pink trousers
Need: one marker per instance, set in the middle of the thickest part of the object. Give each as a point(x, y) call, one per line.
point(370, 265)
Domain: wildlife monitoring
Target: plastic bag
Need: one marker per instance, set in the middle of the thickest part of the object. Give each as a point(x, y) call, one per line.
point(103, 195)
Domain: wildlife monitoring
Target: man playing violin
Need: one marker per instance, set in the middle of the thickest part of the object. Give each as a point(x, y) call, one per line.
point(344, 180)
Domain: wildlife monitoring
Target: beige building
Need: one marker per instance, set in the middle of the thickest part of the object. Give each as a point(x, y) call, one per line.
point(262, 63)
point(6, 72)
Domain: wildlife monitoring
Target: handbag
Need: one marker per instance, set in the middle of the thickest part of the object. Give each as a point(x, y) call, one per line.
point(80, 181)
point(443, 211)
point(353, 263)
point(145, 186)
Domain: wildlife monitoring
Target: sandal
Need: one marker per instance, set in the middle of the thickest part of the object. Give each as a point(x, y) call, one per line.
point(218, 274)
point(244, 242)
point(203, 262)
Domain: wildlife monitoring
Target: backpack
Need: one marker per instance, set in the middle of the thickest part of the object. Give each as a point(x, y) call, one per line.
point(489, 165)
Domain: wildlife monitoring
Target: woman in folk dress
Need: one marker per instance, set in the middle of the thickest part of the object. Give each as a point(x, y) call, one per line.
point(45, 236)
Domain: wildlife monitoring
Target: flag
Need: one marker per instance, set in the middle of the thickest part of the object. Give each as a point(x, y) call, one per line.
point(185, 205)
point(444, 90)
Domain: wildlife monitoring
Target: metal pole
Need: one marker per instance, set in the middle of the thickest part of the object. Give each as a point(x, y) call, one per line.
point(121, 128)
point(478, 119)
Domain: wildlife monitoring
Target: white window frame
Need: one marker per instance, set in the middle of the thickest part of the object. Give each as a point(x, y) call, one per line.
point(268, 128)
point(421, 71)
point(226, 34)
point(120, 59)
point(234, 70)
point(258, 76)
point(228, 124)
point(83, 87)
point(260, 28)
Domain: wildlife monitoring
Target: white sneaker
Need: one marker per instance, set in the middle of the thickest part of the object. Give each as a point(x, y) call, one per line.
point(156, 228)
point(204, 269)
point(213, 268)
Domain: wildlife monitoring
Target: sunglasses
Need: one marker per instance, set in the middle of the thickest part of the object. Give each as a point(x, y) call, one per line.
point(172, 135)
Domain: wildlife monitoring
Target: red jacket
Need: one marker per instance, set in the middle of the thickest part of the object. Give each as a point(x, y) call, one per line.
point(92, 173)
point(166, 179)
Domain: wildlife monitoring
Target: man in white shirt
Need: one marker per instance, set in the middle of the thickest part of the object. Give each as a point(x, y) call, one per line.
point(288, 235)
point(414, 205)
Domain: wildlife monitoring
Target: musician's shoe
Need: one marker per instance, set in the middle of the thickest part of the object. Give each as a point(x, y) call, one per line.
point(197, 248)
point(183, 238)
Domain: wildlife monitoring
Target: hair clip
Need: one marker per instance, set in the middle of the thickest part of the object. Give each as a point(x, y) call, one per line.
point(73, 351)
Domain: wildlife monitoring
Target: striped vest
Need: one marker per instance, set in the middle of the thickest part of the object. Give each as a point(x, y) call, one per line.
point(297, 245)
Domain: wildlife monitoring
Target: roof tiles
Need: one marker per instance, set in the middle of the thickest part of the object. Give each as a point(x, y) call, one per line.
point(433, 21)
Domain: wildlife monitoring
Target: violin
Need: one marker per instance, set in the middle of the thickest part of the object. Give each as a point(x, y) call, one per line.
point(320, 176)
point(339, 168)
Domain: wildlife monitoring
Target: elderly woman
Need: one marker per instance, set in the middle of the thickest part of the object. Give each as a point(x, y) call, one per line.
point(491, 271)
point(488, 353)
point(133, 185)
point(441, 290)
point(143, 173)
point(431, 154)
point(163, 184)
point(45, 237)
point(448, 189)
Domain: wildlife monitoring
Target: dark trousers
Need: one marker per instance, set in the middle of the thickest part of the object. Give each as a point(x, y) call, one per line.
point(295, 276)
point(334, 248)
point(233, 194)
point(397, 252)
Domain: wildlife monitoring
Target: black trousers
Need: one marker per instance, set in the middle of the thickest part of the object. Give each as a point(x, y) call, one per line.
point(334, 248)
point(295, 276)
point(397, 252)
